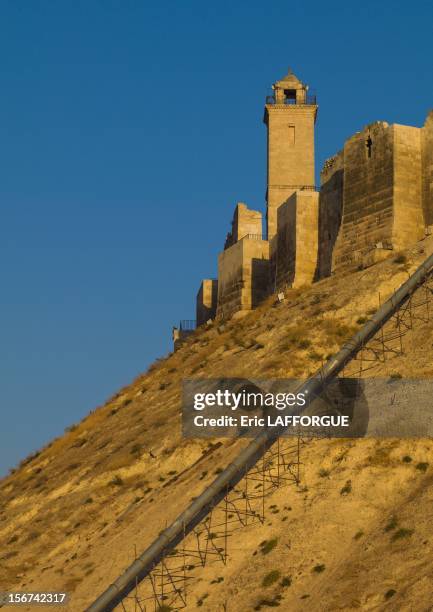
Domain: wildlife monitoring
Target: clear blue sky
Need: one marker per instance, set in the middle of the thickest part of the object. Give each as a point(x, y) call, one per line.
point(128, 131)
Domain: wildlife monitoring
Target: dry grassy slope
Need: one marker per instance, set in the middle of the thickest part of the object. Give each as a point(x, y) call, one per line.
point(71, 516)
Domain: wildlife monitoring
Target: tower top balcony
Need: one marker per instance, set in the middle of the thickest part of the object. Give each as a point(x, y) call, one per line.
point(290, 90)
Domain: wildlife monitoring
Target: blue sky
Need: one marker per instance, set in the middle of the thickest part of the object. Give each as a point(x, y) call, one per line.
point(128, 131)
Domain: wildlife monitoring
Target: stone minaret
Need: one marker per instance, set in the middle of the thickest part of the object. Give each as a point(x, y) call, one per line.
point(290, 115)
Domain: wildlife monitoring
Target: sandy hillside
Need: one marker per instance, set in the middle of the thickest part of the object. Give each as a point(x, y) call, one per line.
point(355, 535)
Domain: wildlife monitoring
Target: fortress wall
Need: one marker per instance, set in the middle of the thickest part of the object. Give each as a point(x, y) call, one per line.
point(206, 303)
point(427, 169)
point(243, 275)
point(256, 256)
point(409, 224)
point(284, 249)
point(368, 187)
point(245, 221)
point(230, 279)
point(330, 211)
point(297, 239)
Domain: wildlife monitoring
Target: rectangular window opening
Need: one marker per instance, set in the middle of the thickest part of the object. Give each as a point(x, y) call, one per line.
point(291, 134)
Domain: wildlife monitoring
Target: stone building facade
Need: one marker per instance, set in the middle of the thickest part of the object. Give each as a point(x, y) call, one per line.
point(375, 198)
point(427, 168)
point(245, 222)
point(243, 265)
point(206, 303)
point(380, 195)
point(297, 240)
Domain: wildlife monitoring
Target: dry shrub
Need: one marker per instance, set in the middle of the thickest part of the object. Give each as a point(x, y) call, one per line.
point(336, 330)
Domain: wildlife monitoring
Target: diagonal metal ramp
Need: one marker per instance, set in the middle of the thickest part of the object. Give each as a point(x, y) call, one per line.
point(235, 471)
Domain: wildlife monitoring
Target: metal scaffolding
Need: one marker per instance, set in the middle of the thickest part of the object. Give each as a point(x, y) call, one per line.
point(166, 586)
point(159, 578)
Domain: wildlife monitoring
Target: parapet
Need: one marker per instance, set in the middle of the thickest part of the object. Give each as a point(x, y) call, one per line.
point(377, 184)
point(245, 222)
point(179, 334)
point(330, 211)
point(427, 168)
point(243, 276)
point(206, 303)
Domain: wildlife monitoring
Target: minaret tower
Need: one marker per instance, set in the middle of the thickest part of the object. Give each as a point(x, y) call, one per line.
point(290, 115)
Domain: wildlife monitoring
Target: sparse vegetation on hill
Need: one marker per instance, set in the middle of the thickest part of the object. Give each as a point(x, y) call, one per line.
point(354, 535)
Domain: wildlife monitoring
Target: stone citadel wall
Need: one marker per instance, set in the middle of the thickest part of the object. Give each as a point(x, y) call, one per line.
point(206, 301)
point(427, 168)
point(297, 239)
point(243, 276)
point(330, 211)
point(380, 193)
point(375, 198)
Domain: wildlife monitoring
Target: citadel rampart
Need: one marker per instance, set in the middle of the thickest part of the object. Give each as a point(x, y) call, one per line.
point(243, 276)
point(330, 210)
point(206, 303)
point(427, 168)
point(245, 222)
point(375, 198)
point(380, 194)
point(297, 239)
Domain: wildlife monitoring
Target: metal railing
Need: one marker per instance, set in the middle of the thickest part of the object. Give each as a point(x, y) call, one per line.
point(310, 100)
point(294, 187)
point(187, 324)
point(252, 237)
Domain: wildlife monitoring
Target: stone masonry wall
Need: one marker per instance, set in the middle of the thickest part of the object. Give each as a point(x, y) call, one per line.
point(382, 195)
point(330, 211)
point(297, 239)
point(206, 303)
point(367, 196)
point(243, 275)
point(408, 218)
point(290, 155)
point(427, 169)
point(245, 222)
point(376, 197)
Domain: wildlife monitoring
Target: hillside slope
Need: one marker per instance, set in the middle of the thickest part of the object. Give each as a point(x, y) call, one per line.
point(73, 515)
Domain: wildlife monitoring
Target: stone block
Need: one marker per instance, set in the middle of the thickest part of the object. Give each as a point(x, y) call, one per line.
point(297, 240)
point(243, 276)
point(206, 301)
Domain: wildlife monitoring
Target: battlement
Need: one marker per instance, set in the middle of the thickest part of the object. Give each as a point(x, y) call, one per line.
point(379, 197)
point(245, 222)
point(243, 275)
point(206, 303)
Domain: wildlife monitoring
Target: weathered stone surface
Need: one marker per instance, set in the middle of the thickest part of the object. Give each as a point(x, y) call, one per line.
point(243, 276)
point(376, 197)
point(206, 302)
point(381, 199)
point(408, 222)
point(367, 195)
point(297, 243)
point(290, 121)
point(330, 211)
point(179, 336)
point(245, 222)
point(427, 169)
